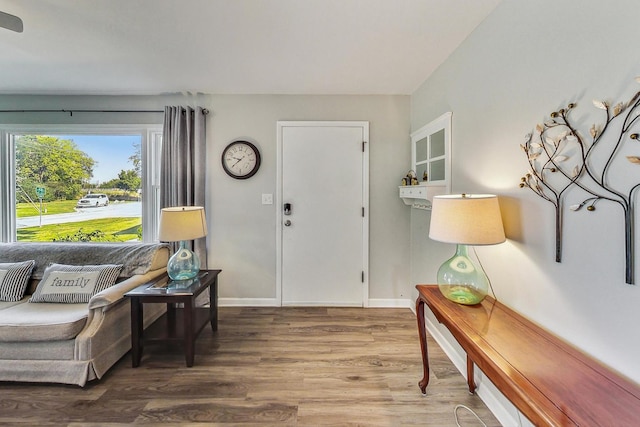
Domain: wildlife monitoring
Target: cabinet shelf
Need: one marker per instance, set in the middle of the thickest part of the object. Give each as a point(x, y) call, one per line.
point(420, 196)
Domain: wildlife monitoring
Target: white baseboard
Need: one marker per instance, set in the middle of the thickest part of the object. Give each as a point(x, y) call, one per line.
point(272, 302)
point(248, 302)
point(390, 303)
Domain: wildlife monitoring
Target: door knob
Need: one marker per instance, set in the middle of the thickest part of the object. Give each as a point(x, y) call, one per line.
point(287, 223)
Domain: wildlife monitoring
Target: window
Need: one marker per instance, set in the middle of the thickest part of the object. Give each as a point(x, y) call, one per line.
point(80, 183)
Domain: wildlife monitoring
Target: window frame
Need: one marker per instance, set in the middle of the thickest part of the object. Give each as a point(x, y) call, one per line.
point(151, 148)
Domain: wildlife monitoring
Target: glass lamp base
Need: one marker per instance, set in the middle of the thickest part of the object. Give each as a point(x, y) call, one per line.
point(461, 281)
point(184, 264)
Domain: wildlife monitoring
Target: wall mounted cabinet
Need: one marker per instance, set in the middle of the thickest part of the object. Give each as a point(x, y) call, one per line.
point(430, 159)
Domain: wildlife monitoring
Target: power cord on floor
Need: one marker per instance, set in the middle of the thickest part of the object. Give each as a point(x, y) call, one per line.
point(455, 414)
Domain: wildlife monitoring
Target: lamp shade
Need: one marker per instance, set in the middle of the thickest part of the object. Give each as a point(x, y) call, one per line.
point(182, 223)
point(466, 219)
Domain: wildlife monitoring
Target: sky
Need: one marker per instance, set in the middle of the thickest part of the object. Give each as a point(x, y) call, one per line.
point(111, 153)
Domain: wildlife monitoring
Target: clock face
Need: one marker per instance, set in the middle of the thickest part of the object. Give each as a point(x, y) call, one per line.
point(241, 159)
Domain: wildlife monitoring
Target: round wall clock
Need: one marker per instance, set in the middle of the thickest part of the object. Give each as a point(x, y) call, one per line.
point(241, 159)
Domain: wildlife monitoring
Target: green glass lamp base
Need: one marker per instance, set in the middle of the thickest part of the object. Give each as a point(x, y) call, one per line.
point(461, 281)
point(184, 264)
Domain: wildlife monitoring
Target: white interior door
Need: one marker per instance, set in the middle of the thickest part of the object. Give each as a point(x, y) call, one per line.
point(323, 238)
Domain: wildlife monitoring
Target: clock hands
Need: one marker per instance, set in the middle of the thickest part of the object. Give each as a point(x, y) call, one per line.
point(238, 160)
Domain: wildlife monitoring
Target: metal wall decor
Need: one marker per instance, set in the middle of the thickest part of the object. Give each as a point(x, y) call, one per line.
point(561, 157)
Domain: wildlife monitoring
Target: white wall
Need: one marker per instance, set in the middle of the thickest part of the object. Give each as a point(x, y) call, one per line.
point(241, 230)
point(243, 234)
point(524, 61)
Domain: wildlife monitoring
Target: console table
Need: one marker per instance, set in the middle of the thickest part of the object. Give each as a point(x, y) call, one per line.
point(171, 327)
point(549, 381)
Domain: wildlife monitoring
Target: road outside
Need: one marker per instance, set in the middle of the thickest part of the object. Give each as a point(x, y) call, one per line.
point(128, 209)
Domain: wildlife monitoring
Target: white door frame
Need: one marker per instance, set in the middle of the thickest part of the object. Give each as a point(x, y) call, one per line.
point(365, 199)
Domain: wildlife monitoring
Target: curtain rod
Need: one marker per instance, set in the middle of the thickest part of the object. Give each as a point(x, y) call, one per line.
point(204, 111)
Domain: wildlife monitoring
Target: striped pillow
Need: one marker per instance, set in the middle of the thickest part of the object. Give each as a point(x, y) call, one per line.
point(14, 278)
point(74, 283)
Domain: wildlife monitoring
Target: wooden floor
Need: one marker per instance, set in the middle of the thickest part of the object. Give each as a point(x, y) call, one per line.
point(267, 366)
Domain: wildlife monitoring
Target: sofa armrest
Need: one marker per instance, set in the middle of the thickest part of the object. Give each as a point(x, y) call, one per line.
point(116, 292)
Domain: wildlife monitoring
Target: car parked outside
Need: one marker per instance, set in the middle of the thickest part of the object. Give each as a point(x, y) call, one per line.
point(93, 200)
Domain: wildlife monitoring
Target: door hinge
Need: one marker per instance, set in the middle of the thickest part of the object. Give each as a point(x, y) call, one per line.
point(363, 212)
point(363, 142)
point(362, 277)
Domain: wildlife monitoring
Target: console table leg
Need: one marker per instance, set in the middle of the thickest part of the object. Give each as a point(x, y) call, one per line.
point(470, 376)
point(422, 333)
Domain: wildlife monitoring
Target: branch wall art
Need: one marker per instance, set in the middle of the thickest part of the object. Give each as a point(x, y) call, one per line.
point(562, 157)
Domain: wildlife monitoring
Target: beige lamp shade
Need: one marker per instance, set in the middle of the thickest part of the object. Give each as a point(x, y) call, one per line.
point(182, 223)
point(466, 219)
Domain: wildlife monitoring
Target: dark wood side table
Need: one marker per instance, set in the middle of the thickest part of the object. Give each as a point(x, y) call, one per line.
point(171, 327)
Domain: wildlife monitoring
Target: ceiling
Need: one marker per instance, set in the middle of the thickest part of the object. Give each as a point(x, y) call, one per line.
point(231, 46)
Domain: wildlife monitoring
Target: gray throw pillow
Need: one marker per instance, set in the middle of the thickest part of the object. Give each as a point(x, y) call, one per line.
point(14, 278)
point(74, 283)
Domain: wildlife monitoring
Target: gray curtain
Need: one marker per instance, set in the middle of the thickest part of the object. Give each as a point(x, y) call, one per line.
point(184, 163)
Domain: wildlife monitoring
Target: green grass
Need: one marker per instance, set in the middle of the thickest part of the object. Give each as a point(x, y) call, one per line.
point(114, 229)
point(49, 208)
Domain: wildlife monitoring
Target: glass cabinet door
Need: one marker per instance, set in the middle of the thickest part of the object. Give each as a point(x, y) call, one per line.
point(430, 150)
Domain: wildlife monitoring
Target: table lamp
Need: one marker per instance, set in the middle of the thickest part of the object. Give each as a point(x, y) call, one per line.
point(180, 224)
point(465, 219)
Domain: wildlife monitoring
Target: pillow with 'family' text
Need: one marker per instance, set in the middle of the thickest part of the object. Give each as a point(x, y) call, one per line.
point(14, 278)
point(74, 283)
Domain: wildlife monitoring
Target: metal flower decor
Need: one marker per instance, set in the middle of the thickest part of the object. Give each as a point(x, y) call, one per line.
point(560, 157)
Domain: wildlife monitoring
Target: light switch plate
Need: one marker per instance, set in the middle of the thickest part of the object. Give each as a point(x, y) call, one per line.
point(267, 199)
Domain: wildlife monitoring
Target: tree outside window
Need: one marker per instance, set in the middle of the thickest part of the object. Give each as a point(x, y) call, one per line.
point(71, 168)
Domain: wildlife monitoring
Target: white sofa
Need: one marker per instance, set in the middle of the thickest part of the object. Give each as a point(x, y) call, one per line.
point(74, 343)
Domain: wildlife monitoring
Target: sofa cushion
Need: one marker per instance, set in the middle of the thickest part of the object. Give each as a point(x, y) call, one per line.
point(42, 322)
point(6, 304)
point(74, 283)
point(14, 278)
